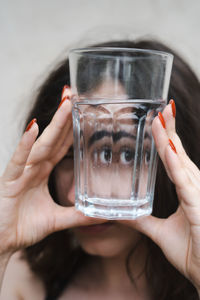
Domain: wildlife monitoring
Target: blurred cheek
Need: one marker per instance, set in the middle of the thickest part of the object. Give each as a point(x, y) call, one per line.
point(64, 180)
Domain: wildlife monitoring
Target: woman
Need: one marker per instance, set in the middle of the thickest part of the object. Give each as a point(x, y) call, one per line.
point(65, 256)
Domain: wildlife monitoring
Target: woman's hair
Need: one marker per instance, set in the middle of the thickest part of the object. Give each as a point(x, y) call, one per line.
point(56, 258)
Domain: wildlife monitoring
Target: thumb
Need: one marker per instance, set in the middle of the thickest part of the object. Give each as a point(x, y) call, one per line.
point(68, 217)
point(148, 225)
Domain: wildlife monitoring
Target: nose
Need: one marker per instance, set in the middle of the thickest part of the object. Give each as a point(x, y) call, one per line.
point(71, 193)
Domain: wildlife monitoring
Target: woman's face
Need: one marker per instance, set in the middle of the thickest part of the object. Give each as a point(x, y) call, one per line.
point(107, 240)
point(111, 238)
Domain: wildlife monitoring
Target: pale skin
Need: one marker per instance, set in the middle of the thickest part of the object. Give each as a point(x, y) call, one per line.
point(28, 213)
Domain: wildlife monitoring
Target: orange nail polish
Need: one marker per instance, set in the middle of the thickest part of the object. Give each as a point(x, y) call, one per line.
point(172, 146)
point(64, 88)
point(63, 100)
point(30, 124)
point(173, 107)
point(160, 116)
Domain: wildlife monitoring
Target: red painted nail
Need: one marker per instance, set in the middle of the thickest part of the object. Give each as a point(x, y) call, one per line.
point(63, 100)
point(173, 107)
point(172, 146)
point(30, 124)
point(160, 116)
point(64, 88)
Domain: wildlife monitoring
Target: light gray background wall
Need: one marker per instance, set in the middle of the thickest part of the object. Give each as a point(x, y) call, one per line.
point(37, 33)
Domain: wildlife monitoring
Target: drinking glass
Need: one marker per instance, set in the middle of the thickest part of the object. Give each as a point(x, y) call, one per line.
point(117, 92)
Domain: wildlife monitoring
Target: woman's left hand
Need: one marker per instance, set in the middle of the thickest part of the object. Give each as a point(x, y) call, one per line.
point(178, 236)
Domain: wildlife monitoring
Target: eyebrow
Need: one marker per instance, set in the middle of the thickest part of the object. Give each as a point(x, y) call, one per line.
point(116, 136)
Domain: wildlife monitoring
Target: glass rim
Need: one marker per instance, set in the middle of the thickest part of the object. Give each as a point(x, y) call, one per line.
point(90, 51)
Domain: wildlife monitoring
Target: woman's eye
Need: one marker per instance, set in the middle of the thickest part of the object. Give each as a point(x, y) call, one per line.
point(105, 156)
point(127, 157)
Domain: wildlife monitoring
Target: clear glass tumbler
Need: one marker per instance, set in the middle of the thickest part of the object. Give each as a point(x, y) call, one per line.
point(117, 92)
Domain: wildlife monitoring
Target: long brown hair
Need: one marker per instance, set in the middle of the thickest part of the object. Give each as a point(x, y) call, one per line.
point(55, 259)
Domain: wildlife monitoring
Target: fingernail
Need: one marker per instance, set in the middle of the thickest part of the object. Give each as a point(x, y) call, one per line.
point(63, 100)
point(172, 146)
point(30, 124)
point(173, 106)
point(160, 116)
point(64, 88)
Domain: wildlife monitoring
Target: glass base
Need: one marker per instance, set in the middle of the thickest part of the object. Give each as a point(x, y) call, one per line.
point(115, 209)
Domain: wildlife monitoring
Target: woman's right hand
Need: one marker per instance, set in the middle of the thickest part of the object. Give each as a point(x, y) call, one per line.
point(27, 211)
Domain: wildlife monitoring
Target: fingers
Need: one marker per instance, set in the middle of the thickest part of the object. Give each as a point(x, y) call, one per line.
point(161, 140)
point(18, 161)
point(171, 133)
point(187, 185)
point(179, 167)
point(64, 147)
point(48, 144)
point(58, 129)
point(66, 92)
point(68, 217)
